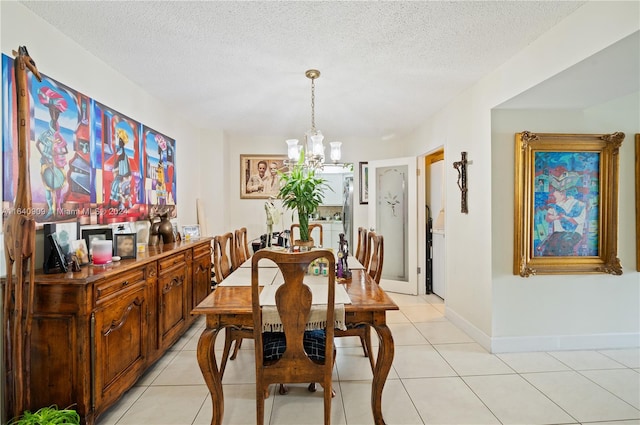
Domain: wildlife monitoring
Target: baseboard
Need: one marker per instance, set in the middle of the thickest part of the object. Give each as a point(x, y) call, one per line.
point(545, 342)
point(469, 328)
point(565, 342)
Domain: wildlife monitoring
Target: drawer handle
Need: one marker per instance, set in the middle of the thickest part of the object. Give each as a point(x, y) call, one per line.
point(125, 283)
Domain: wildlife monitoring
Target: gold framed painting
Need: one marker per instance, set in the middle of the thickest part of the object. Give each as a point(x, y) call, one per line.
point(259, 175)
point(566, 203)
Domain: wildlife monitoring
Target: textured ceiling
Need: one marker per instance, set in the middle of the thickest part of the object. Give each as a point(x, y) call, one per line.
point(239, 66)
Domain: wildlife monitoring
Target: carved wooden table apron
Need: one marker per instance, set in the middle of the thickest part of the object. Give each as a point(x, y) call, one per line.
point(230, 306)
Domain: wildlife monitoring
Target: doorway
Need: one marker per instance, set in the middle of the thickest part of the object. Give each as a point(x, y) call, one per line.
point(434, 234)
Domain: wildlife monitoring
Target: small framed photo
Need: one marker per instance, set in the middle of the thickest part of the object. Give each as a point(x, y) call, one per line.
point(65, 234)
point(79, 248)
point(176, 233)
point(96, 233)
point(56, 261)
point(191, 231)
point(125, 245)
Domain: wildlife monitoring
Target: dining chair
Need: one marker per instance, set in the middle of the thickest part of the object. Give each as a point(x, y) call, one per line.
point(376, 255)
point(241, 246)
point(375, 247)
point(223, 255)
point(312, 227)
point(361, 250)
point(361, 331)
point(225, 262)
point(290, 353)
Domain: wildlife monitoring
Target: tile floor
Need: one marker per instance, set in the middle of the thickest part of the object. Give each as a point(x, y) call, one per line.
point(439, 376)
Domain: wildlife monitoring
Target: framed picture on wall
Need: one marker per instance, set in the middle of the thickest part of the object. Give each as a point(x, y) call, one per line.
point(566, 203)
point(259, 175)
point(364, 182)
point(638, 202)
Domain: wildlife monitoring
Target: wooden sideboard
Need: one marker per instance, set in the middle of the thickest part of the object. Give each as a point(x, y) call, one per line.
point(96, 331)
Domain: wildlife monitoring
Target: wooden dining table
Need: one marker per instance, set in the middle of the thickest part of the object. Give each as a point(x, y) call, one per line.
point(230, 307)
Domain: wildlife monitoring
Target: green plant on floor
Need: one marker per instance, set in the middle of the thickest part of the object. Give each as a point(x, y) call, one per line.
point(47, 416)
point(303, 191)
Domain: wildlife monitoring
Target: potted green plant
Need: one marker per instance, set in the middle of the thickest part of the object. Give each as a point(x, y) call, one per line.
point(302, 190)
point(48, 416)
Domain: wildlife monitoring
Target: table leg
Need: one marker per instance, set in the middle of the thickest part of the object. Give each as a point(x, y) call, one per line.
point(209, 368)
point(381, 371)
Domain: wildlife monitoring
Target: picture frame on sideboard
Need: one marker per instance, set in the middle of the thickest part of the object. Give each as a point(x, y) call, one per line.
point(92, 233)
point(55, 261)
point(124, 245)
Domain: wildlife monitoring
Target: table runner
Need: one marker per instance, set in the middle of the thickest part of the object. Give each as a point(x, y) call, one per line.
point(242, 277)
point(264, 263)
point(317, 316)
point(354, 264)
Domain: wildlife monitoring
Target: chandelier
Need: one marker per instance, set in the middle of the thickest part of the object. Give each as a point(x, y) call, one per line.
point(313, 148)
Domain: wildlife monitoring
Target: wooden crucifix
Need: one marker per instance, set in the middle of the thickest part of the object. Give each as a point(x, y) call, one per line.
point(461, 166)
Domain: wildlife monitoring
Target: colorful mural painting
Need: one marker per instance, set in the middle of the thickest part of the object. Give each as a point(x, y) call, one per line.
point(159, 165)
point(566, 196)
point(87, 161)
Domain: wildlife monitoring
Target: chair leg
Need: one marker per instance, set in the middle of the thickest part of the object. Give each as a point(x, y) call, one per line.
point(313, 388)
point(225, 352)
point(261, 394)
point(236, 348)
point(367, 343)
point(327, 406)
point(363, 343)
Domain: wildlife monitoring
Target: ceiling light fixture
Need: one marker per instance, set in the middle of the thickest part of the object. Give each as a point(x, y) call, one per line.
point(313, 147)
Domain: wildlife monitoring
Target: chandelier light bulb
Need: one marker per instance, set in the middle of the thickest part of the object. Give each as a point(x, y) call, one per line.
point(293, 150)
point(335, 151)
point(318, 147)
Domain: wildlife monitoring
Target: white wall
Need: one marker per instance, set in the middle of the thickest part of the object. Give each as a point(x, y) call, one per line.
point(557, 312)
point(476, 296)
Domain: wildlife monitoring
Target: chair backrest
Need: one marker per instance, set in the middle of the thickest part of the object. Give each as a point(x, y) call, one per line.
point(376, 255)
point(223, 255)
point(241, 246)
point(312, 227)
point(293, 302)
point(361, 250)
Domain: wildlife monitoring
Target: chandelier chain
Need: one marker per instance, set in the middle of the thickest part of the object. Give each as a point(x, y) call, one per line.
point(313, 103)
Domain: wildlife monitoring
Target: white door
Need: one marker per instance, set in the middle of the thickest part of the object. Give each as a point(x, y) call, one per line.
point(393, 214)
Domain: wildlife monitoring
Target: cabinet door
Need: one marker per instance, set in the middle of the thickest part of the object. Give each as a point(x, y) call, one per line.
point(119, 330)
point(173, 313)
point(333, 197)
